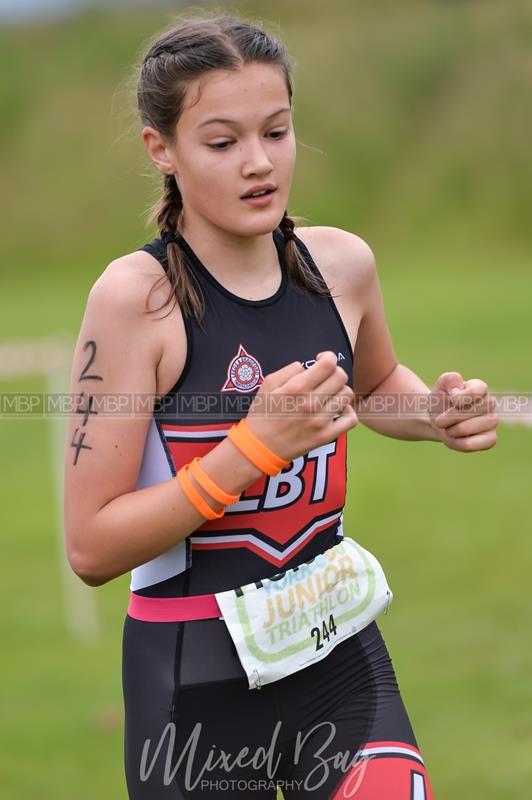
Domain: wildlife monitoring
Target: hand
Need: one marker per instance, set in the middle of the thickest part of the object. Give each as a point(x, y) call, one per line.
point(463, 413)
point(294, 408)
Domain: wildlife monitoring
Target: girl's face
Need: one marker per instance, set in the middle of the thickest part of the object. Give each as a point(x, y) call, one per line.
point(216, 162)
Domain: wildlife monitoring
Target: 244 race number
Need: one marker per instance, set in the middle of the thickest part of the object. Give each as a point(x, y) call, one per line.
point(327, 630)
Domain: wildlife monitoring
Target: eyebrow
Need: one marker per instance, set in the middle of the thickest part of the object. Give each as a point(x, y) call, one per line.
point(235, 122)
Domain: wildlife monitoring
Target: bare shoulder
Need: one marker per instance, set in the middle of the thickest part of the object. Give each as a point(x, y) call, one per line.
point(343, 257)
point(122, 291)
point(126, 281)
point(348, 267)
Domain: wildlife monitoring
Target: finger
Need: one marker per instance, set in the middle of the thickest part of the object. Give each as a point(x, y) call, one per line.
point(347, 420)
point(470, 444)
point(337, 403)
point(281, 376)
point(315, 375)
point(454, 415)
point(472, 393)
point(473, 426)
point(439, 403)
point(330, 386)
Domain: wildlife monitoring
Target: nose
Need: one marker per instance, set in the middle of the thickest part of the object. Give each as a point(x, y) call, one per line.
point(255, 160)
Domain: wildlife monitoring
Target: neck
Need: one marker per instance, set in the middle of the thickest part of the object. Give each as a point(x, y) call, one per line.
point(239, 260)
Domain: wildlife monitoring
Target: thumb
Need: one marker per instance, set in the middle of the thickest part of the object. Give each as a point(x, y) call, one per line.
point(449, 383)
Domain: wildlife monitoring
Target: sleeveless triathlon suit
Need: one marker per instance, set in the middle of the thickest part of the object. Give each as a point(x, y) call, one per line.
point(188, 710)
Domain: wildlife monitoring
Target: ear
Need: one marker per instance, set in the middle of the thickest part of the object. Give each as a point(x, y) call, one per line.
point(159, 150)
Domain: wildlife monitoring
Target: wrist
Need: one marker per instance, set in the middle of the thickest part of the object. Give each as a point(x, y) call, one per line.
point(230, 468)
point(434, 434)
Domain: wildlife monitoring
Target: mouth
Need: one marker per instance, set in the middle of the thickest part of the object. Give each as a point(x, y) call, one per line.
point(259, 189)
point(260, 199)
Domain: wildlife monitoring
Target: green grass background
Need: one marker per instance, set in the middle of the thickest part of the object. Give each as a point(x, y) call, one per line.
point(413, 121)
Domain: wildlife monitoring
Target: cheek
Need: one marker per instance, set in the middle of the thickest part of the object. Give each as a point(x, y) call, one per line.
point(289, 153)
point(201, 173)
point(205, 183)
point(211, 192)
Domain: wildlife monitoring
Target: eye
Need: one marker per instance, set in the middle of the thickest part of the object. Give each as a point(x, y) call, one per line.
point(218, 145)
point(223, 145)
point(279, 134)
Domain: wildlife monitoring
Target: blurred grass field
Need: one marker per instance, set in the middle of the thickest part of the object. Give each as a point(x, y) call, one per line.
point(413, 134)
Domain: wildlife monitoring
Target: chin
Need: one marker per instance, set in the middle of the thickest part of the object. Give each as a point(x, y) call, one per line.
point(263, 230)
point(257, 227)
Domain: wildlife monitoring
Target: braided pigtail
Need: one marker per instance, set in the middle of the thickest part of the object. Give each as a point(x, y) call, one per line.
point(170, 207)
point(168, 215)
point(298, 269)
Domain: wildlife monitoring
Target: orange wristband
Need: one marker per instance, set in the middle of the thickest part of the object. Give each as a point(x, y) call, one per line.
point(258, 453)
point(209, 485)
point(195, 497)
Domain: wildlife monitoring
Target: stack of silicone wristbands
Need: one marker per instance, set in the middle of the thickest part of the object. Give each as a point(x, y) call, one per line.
point(252, 447)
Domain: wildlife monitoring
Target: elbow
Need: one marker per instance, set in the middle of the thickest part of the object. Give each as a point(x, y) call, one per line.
point(85, 567)
point(91, 580)
point(83, 553)
point(85, 571)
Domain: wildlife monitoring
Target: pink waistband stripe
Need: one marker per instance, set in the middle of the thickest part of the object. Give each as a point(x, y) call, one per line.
point(173, 609)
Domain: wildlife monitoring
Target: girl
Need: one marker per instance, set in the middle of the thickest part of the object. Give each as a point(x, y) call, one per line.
point(237, 473)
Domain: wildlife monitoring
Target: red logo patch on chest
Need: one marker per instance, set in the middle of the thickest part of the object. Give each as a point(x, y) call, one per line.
point(243, 373)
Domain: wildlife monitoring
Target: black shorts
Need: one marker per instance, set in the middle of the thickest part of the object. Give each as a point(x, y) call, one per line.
point(193, 728)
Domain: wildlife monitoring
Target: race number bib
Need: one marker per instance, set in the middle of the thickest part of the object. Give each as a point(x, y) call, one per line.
point(284, 623)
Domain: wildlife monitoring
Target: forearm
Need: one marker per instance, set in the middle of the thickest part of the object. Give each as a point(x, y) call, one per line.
point(398, 407)
point(136, 527)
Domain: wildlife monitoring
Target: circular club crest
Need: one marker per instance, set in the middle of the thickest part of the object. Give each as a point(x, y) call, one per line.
point(244, 373)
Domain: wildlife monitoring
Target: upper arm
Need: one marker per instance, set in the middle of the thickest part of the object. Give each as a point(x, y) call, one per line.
point(374, 356)
point(350, 265)
point(115, 358)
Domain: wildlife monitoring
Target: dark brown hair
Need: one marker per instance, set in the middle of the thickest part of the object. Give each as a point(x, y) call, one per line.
point(184, 53)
